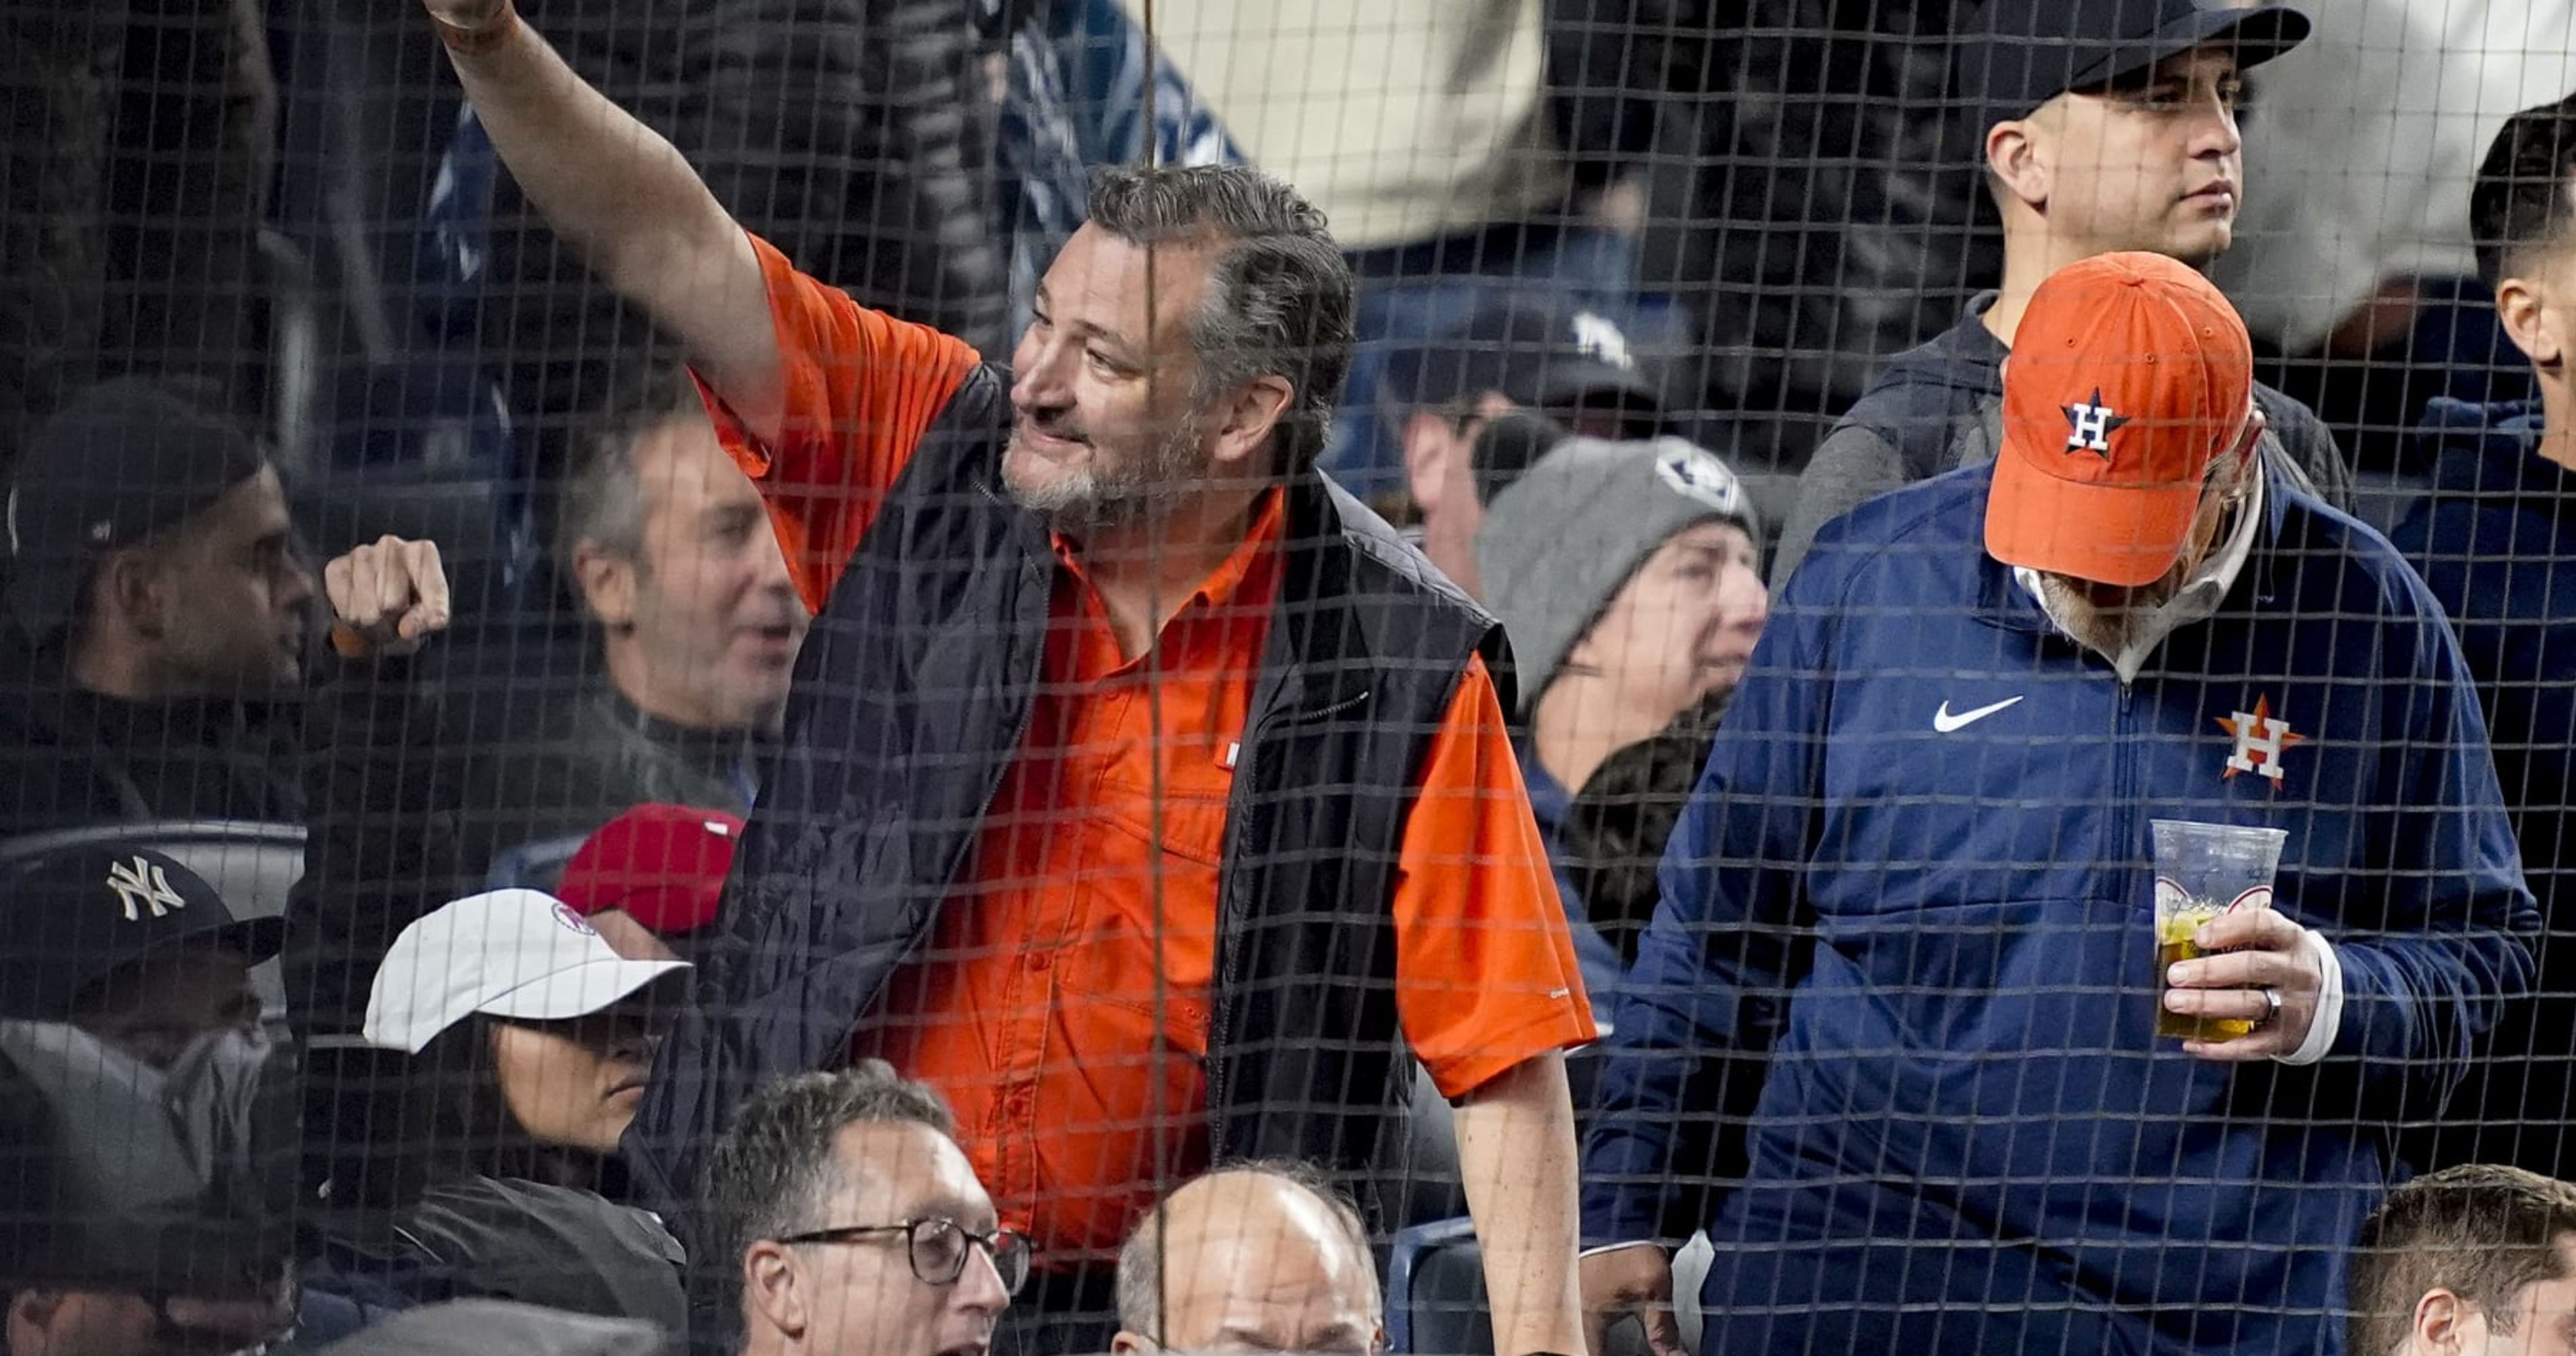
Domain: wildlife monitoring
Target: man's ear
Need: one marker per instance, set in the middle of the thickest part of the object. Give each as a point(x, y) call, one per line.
point(774, 1286)
point(608, 584)
point(1429, 444)
point(1127, 1343)
point(133, 586)
point(2440, 1324)
point(1246, 420)
point(2016, 168)
point(2525, 319)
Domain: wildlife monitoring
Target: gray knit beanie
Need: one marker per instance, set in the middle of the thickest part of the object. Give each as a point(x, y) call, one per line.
point(1559, 543)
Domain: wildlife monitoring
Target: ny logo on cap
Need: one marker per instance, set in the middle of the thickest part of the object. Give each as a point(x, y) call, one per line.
point(140, 886)
point(1601, 340)
point(1698, 473)
point(2091, 424)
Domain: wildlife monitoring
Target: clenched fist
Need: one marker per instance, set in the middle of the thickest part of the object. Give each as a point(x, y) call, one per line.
point(469, 17)
point(388, 598)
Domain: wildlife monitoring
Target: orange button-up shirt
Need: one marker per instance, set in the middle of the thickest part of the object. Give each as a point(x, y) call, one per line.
point(1062, 1005)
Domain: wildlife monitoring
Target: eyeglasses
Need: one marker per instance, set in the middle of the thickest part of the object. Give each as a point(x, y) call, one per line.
point(938, 1248)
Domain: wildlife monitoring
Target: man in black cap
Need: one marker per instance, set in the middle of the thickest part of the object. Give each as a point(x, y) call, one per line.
point(131, 947)
point(2110, 125)
point(146, 1129)
point(1528, 351)
point(166, 609)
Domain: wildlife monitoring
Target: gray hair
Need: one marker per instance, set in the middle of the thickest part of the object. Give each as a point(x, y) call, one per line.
point(601, 503)
point(1140, 1260)
point(773, 1168)
point(1279, 292)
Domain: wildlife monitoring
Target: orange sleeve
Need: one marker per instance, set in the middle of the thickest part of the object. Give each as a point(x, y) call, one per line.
point(861, 389)
point(1484, 966)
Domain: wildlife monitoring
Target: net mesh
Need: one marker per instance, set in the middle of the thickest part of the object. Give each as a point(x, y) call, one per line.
point(406, 487)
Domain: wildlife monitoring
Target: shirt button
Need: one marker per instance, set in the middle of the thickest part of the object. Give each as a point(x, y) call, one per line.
point(1041, 962)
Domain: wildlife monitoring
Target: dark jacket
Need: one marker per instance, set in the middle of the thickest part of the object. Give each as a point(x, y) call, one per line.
point(70, 757)
point(416, 787)
point(2496, 543)
point(1939, 406)
point(911, 698)
point(1969, 1138)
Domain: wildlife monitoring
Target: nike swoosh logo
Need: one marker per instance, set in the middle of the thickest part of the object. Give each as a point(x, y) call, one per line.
point(1943, 722)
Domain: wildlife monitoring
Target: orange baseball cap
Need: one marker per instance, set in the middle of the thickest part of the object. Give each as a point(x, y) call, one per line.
point(2130, 374)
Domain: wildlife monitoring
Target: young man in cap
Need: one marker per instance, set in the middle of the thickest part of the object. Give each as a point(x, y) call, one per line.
point(1918, 876)
point(132, 947)
point(128, 1226)
point(1121, 935)
point(1530, 352)
point(165, 611)
point(2497, 547)
point(2110, 125)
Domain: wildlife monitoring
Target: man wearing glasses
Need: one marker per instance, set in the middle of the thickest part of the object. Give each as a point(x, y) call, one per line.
point(859, 1226)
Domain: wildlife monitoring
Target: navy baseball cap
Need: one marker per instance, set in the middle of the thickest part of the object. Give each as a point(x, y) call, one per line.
point(1541, 351)
point(123, 460)
point(81, 914)
point(2018, 54)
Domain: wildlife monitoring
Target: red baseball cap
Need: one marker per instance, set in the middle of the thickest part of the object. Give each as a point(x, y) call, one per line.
point(662, 865)
point(2129, 376)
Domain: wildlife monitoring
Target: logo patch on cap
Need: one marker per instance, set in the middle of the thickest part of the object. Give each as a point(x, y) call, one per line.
point(143, 885)
point(1698, 473)
point(2090, 424)
point(1597, 338)
point(573, 921)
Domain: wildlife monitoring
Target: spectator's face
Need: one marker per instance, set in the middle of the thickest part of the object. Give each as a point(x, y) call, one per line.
point(709, 611)
point(229, 610)
point(1107, 431)
point(155, 1009)
point(1268, 1275)
point(864, 1297)
point(575, 1083)
point(1682, 627)
point(1440, 466)
point(2157, 166)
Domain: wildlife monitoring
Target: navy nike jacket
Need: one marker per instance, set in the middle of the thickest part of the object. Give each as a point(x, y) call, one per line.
point(1917, 874)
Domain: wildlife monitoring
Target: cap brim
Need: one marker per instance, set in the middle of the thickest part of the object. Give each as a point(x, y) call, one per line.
point(2122, 535)
point(2255, 34)
point(579, 990)
point(1569, 384)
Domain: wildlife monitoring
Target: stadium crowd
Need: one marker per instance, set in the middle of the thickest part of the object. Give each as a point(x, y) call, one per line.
point(1355, 789)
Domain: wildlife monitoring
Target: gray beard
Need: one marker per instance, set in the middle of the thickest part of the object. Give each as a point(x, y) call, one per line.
point(2106, 633)
point(1091, 502)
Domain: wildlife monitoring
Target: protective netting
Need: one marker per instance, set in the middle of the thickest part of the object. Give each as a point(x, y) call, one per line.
point(560, 587)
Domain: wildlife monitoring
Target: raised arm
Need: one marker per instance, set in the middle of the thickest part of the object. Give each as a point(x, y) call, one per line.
point(622, 195)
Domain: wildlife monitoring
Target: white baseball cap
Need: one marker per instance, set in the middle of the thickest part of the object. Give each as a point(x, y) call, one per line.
point(508, 953)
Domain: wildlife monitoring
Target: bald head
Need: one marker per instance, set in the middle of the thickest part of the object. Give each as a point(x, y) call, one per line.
point(1249, 1259)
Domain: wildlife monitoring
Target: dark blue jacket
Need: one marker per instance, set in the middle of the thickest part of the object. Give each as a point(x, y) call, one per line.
point(2496, 543)
point(911, 699)
point(1944, 941)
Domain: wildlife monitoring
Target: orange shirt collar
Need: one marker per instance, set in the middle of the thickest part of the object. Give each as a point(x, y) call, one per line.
point(1249, 574)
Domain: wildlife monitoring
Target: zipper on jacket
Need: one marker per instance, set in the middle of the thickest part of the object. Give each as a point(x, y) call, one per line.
point(1229, 932)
